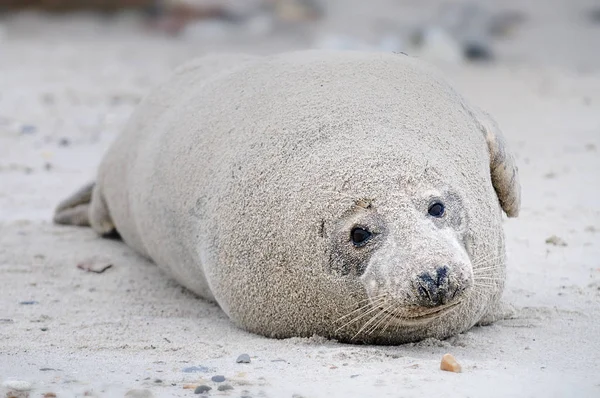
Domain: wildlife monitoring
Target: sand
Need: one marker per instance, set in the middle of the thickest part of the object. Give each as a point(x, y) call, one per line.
point(66, 89)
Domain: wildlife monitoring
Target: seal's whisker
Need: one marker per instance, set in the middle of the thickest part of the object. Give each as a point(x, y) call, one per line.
point(369, 301)
point(385, 318)
point(358, 310)
point(359, 316)
point(391, 318)
point(486, 279)
point(373, 319)
point(487, 260)
point(365, 309)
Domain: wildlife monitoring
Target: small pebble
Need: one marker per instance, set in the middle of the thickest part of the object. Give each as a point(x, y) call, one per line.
point(31, 302)
point(202, 389)
point(475, 51)
point(17, 385)
point(449, 364)
point(28, 129)
point(225, 387)
point(556, 241)
point(64, 142)
point(243, 358)
point(49, 395)
point(194, 369)
point(218, 378)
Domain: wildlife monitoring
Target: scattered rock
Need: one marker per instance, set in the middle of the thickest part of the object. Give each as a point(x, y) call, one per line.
point(189, 386)
point(218, 378)
point(243, 358)
point(556, 241)
point(449, 364)
point(202, 389)
point(17, 385)
point(64, 142)
point(49, 395)
point(139, 393)
point(158, 381)
point(225, 387)
point(194, 369)
point(30, 302)
point(477, 51)
point(28, 129)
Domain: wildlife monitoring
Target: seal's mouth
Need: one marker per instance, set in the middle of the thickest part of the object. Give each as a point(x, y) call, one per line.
point(420, 314)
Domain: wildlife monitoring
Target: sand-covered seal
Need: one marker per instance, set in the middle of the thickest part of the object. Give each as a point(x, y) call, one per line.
point(351, 195)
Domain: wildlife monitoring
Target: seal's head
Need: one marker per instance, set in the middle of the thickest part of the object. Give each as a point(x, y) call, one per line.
point(413, 253)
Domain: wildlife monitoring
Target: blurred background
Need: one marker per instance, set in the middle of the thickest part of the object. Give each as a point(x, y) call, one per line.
point(446, 30)
point(71, 71)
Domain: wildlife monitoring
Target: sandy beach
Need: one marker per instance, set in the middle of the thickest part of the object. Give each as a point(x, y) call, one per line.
point(67, 87)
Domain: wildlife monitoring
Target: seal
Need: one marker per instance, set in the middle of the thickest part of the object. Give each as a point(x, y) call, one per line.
point(350, 195)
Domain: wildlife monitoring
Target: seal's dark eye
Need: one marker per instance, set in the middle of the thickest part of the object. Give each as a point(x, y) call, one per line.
point(437, 209)
point(360, 236)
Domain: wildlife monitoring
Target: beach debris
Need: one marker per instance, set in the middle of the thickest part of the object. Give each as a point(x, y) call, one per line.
point(95, 265)
point(28, 302)
point(449, 364)
point(556, 241)
point(88, 268)
point(243, 358)
point(202, 389)
point(218, 378)
point(139, 393)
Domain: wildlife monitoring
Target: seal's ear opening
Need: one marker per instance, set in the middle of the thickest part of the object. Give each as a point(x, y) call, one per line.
point(503, 168)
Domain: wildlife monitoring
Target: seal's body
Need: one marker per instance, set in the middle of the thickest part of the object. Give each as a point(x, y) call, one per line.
point(350, 195)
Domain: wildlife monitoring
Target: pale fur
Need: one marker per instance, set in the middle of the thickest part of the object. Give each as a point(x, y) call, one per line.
point(241, 176)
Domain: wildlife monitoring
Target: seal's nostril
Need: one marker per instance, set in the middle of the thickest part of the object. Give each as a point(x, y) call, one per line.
point(442, 275)
point(435, 288)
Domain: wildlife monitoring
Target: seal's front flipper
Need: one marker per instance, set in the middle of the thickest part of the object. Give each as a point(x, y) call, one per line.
point(86, 208)
point(499, 311)
point(75, 209)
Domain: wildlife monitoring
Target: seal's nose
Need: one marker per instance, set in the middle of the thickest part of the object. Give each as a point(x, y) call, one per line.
point(435, 289)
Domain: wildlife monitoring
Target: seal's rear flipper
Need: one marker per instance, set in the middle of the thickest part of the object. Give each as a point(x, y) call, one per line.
point(75, 209)
point(86, 208)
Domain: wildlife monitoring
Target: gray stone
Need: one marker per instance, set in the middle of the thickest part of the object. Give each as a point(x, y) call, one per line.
point(243, 358)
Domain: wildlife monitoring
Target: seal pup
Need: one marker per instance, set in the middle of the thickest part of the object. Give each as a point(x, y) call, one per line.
point(350, 195)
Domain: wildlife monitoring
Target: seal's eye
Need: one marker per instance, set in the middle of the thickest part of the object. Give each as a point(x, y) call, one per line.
point(360, 236)
point(437, 209)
